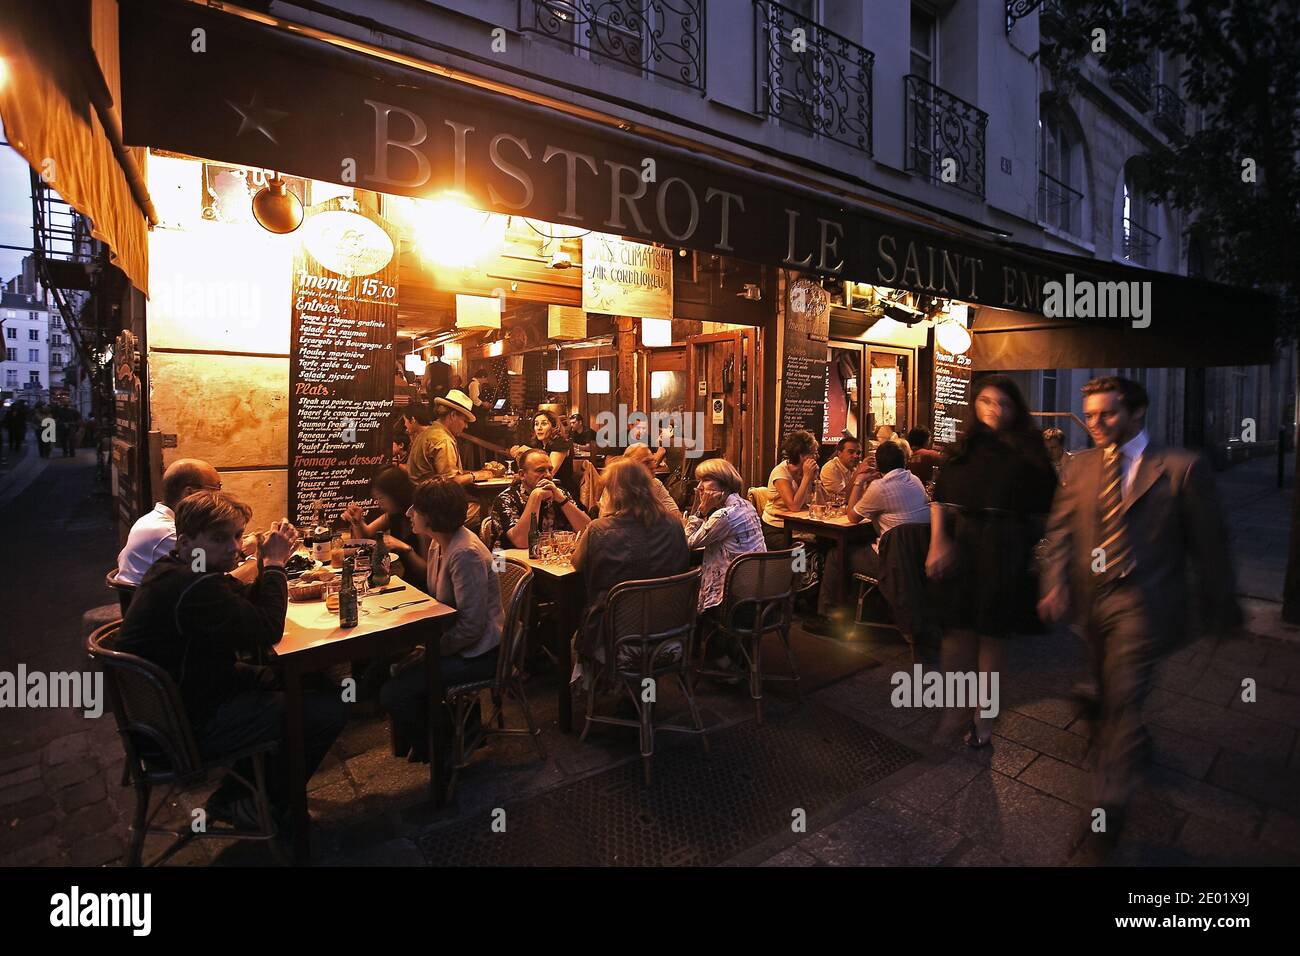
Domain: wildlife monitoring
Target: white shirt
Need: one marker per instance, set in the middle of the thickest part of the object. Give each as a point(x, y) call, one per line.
point(893, 499)
point(151, 537)
point(475, 388)
point(1131, 456)
point(835, 477)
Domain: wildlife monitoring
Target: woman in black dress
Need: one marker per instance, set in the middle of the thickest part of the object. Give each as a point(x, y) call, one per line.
point(989, 500)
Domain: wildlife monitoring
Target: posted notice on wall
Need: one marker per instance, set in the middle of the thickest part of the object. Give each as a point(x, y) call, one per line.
point(344, 329)
point(621, 277)
point(952, 374)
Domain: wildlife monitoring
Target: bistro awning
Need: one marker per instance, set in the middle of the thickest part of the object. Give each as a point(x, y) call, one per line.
point(270, 98)
point(49, 90)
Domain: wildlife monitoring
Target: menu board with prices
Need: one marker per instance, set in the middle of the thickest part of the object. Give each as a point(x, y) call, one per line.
point(341, 365)
point(952, 375)
point(803, 394)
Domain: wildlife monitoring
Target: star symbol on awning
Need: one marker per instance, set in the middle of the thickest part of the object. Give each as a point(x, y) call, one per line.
point(257, 117)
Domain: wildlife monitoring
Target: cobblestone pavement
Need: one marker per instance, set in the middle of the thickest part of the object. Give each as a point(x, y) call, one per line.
point(1224, 786)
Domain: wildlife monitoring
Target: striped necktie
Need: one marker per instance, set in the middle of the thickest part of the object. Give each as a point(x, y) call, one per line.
point(1112, 527)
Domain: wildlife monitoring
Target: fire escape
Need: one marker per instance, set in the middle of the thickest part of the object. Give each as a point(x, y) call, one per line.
point(73, 267)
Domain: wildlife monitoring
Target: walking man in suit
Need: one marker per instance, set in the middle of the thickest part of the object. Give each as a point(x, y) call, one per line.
point(1129, 517)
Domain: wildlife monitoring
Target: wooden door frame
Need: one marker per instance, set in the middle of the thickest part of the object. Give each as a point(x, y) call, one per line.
point(749, 419)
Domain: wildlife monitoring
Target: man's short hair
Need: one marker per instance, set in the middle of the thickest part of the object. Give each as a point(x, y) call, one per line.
point(847, 440)
point(521, 460)
point(442, 503)
point(918, 438)
point(186, 473)
point(888, 457)
point(1131, 393)
point(205, 510)
point(419, 412)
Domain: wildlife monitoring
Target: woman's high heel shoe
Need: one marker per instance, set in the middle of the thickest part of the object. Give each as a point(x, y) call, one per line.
point(973, 738)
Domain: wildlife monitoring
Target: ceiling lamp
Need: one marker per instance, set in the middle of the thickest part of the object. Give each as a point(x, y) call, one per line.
point(557, 379)
point(656, 333)
point(597, 380)
point(952, 337)
point(495, 348)
point(451, 352)
point(478, 311)
point(415, 364)
point(277, 208)
point(450, 232)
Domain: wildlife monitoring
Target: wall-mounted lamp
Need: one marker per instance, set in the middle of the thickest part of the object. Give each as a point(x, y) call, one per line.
point(277, 208)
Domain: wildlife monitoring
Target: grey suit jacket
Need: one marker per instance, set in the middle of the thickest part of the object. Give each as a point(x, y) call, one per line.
point(462, 577)
point(1174, 521)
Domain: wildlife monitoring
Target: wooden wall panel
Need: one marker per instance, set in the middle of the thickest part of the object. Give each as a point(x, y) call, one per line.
point(266, 492)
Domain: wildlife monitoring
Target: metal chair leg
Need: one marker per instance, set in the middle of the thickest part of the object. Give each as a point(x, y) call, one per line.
point(591, 704)
point(794, 668)
point(756, 677)
point(695, 712)
point(139, 825)
point(645, 710)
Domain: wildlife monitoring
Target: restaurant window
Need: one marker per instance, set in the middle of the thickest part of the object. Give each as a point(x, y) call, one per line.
point(1060, 176)
point(888, 388)
point(1048, 393)
point(843, 407)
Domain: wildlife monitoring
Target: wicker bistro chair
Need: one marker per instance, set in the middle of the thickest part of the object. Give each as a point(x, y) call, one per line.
point(124, 591)
point(649, 627)
point(516, 587)
point(757, 600)
point(160, 749)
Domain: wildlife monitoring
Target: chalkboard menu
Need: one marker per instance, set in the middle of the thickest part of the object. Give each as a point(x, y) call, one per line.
point(803, 394)
point(344, 327)
point(951, 396)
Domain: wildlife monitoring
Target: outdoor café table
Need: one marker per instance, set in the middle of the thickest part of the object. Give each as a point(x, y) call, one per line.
point(313, 641)
point(839, 530)
point(562, 584)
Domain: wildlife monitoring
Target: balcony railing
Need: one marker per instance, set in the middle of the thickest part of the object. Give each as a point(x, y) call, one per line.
point(1059, 206)
point(1139, 243)
point(1171, 115)
point(662, 37)
point(812, 77)
point(945, 136)
point(1134, 84)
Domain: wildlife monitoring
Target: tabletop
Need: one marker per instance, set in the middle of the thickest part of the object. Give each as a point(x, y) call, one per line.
point(309, 623)
point(840, 522)
point(494, 483)
point(554, 570)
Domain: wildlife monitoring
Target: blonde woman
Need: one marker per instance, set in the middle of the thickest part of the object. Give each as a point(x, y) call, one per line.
point(642, 455)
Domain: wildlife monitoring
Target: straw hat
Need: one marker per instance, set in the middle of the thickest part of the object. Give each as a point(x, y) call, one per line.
point(459, 401)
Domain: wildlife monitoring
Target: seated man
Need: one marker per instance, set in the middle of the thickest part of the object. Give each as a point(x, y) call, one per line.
point(924, 459)
point(154, 534)
point(838, 470)
point(190, 618)
point(535, 494)
point(891, 497)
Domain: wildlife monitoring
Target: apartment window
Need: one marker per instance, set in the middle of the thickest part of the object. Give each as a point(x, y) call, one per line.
point(1139, 237)
point(1060, 176)
point(11, 333)
point(56, 322)
point(56, 339)
point(33, 335)
point(56, 359)
point(34, 316)
point(33, 355)
point(11, 355)
point(34, 379)
point(925, 35)
point(11, 377)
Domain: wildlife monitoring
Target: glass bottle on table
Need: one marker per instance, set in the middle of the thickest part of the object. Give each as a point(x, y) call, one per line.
point(379, 575)
point(348, 601)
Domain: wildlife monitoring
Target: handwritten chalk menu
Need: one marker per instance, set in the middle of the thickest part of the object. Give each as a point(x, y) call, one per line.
point(803, 394)
point(344, 328)
point(951, 396)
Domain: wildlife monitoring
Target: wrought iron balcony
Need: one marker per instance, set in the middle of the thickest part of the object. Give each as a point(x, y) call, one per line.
point(1140, 243)
point(945, 136)
point(1052, 10)
point(1059, 206)
point(662, 37)
point(1171, 114)
point(1134, 84)
point(812, 77)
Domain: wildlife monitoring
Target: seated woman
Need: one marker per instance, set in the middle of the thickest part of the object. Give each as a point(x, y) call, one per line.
point(548, 437)
point(460, 575)
point(635, 540)
point(642, 455)
point(725, 525)
point(392, 489)
point(791, 485)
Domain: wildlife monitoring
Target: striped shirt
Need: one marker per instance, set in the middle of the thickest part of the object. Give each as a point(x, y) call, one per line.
point(893, 499)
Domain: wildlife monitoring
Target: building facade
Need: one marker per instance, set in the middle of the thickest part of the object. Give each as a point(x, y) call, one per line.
point(25, 372)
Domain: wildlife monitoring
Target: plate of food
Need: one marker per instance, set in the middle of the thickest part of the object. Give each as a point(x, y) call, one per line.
point(299, 564)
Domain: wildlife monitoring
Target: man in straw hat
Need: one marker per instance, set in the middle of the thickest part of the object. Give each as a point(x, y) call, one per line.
point(434, 449)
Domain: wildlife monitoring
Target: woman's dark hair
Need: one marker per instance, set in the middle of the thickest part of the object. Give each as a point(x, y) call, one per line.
point(442, 503)
point(799, 444)
point(397, 484)
point(1022, 434)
